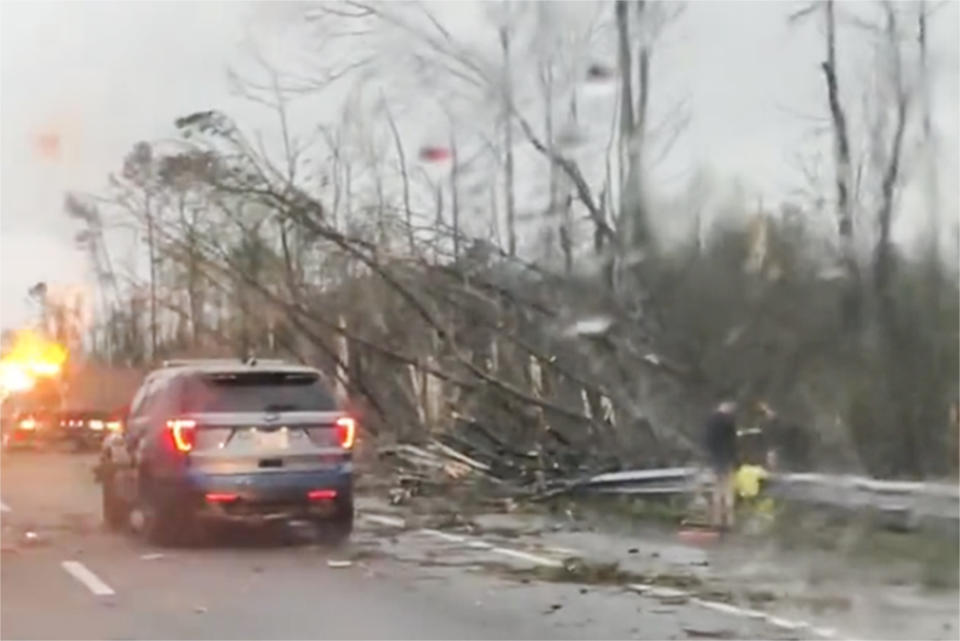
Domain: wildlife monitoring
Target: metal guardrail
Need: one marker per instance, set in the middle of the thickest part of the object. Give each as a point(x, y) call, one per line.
point(914, 501)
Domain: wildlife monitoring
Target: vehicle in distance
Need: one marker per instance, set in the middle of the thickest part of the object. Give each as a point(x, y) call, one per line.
point(229, 442)
point(85, 429)
point(29, 429)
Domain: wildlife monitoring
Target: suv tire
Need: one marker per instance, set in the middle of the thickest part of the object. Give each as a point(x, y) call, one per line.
point(336, 530)
point(116, 514)
point(165, 523)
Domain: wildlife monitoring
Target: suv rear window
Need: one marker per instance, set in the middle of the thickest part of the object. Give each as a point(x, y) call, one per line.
point(257, 392)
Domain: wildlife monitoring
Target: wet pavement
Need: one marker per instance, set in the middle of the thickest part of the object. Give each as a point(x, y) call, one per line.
point(510, 577)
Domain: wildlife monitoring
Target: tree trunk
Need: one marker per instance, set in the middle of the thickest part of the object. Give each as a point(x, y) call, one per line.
point(454, 194)
point(401, 157)
point(508, 141)
point(883, 259)
point(843, 176)
point(151, 245)
point(632, 228)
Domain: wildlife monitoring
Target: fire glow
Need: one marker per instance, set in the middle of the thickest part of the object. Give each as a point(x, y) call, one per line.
point(31, 357)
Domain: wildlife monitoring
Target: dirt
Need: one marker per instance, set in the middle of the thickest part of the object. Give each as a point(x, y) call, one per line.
point(583, 572)
point(759, 597)
point(825, 603)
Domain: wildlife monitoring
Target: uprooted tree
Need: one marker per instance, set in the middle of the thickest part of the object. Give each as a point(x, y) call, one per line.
point(419, 270)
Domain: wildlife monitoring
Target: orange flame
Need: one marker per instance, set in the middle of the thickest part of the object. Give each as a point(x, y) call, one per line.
point(31, 357)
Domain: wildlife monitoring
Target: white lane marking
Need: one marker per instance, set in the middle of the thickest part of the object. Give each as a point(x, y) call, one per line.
point(726, 608)
point(389, 521)
point(83, 574)
point(454, 538)
point(483, 545)
point(563, 551)
point(4, 507)
point(786, 624)
point(666, 593)
point(640, 588)
point(477, 544)
point(532, 558)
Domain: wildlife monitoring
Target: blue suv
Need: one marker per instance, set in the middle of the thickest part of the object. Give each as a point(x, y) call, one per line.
point(229, 441)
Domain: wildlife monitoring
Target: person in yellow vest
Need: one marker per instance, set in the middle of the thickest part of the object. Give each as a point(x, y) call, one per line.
point(747, 481)
point(759, 458)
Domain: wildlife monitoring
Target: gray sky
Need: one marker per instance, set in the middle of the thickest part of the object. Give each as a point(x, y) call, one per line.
point(106, 74)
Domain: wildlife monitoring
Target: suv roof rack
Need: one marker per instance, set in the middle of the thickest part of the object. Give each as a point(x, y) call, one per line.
point(183, 362)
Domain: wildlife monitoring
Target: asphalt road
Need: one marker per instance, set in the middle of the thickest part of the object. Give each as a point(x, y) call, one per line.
point(76, 580)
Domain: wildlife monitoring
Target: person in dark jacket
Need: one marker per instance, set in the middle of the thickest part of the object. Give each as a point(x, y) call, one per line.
point(791, 445)
point(722, 456)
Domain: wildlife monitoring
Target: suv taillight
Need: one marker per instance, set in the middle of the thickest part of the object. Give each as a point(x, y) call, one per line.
point(346, 431)
point(183, 433)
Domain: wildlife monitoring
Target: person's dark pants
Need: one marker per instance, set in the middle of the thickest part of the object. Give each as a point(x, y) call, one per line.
point(722, 500)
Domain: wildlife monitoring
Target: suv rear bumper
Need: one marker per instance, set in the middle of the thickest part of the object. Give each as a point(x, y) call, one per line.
point(261, 497)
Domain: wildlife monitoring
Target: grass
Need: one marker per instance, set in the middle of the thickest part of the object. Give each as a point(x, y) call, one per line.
point(863, 538)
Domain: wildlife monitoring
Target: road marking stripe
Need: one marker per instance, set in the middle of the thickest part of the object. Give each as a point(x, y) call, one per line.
point(563, 551)
point(641, 588)
point(780, 622)
point(384, 520)
point(454, 538)
point(667, 593)
point(83, 574)
point(786, 624)
point(4, 507)
point(719, 606)
point(533, 558)
point(477, 544)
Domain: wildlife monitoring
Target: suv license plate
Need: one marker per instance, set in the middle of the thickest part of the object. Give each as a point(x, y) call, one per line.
point(276, 440)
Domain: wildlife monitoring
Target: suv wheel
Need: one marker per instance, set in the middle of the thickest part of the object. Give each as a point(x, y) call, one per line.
point(115, 512)
point(337, 529)
point(166, 524)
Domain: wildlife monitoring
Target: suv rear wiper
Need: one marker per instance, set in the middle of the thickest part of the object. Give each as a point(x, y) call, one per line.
point(281, 407)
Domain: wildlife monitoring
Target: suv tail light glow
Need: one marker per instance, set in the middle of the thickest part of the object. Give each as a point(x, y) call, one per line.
point(221, 497)
point(183, 433)
point(346, 431)
point(322, 495)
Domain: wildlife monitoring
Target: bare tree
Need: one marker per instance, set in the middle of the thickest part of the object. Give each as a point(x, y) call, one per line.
point(508, 169)
point(843, 179)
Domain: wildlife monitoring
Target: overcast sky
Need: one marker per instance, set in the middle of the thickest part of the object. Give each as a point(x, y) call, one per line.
point(103, 75)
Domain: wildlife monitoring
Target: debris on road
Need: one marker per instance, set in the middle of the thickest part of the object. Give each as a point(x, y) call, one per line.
point(553, 608)
point(200, 609)
point(698, 536)
point(668, 596)
point(33, 539)
point(339, 564)
point(699, 633)
point(79, 522)
point(151, 557)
